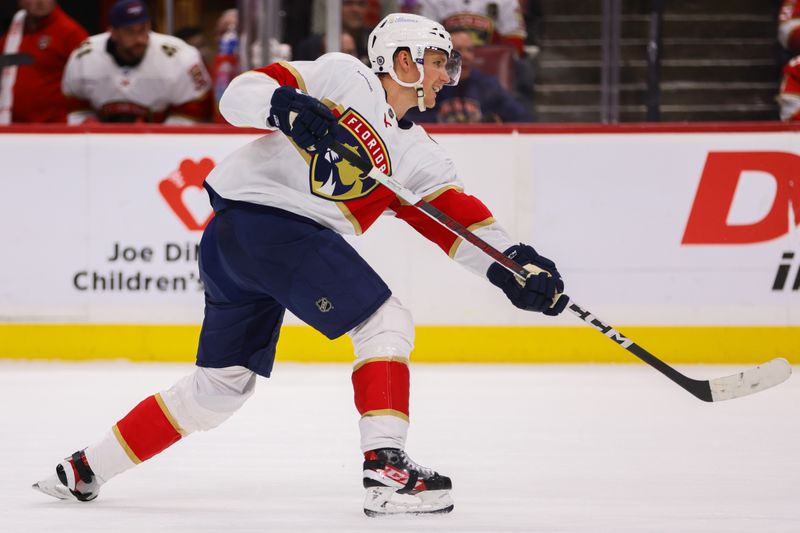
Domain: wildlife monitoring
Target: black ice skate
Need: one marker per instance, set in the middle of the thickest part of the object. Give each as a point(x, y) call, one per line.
point(397, 485)
point(73, 480)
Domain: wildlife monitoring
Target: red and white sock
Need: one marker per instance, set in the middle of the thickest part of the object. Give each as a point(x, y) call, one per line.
point(381, 387)
point(149, 428)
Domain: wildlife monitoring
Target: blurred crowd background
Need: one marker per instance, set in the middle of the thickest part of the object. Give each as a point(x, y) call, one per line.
point(77, 61)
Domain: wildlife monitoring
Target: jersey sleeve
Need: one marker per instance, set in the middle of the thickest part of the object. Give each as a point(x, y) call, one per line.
point(434, 179)
point(79, 109)
point(246, 101)
point(191, 99)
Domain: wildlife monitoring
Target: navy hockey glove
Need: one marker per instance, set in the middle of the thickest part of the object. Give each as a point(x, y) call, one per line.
point(312, 129)
point(539, 289)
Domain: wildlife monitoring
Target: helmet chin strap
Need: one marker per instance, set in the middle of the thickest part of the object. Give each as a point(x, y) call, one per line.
point(417, 86)
point(420, 97)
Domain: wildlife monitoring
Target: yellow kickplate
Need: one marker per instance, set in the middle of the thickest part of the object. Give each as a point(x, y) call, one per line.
point(436, 344)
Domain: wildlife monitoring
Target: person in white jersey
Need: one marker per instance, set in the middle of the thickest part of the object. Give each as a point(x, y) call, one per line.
point(132, 74)
point(282, 203)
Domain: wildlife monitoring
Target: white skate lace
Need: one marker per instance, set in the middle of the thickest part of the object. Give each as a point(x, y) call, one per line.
point(411, 465)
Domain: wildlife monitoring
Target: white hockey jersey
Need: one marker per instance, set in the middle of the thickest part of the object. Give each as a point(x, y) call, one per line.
point(170, 84)
point(273, 171)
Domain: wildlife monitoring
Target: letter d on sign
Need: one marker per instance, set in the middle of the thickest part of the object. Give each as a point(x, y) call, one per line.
point(707, 222)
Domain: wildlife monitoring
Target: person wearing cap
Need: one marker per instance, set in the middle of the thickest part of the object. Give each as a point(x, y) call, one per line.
point(45, 36)
point(133, 74)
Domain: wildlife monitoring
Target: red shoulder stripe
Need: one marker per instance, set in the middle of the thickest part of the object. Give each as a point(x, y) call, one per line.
point(284, 74)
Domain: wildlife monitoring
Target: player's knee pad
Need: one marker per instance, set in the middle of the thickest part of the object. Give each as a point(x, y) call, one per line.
point(389, 332)
point(209, 396)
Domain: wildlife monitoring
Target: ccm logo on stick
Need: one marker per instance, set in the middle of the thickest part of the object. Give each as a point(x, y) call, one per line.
point(708, 220)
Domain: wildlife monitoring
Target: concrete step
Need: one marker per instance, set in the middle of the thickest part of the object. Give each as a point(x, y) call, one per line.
point(722, 6)
point(633, 71)
point(586, 7)
point(719, 60)
point(592, 114)
point(719, 48)
point(713, 113)
point(638, 26)
point(682, 93)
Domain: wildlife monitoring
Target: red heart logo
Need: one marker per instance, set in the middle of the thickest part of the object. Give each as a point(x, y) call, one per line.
point(172, 188)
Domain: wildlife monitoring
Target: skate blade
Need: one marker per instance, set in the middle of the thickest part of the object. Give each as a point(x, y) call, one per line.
point(385, 501)
point(53, 487)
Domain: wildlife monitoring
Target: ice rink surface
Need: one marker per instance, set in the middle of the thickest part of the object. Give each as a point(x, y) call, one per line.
point(538, 448)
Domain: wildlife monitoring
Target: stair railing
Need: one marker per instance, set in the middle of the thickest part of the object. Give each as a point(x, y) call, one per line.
point(653, 98)
point(609, 82)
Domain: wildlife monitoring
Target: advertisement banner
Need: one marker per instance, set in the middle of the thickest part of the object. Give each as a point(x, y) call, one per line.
point(648, 229)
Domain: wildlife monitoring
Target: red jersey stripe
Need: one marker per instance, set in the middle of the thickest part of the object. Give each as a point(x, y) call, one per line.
point(284, 74)
point(363, 212)
point(465, 209)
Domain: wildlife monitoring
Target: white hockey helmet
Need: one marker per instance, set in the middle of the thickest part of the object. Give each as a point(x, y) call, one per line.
point(417, 34)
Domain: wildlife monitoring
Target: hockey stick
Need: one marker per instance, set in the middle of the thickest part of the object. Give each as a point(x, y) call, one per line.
point(750, 381)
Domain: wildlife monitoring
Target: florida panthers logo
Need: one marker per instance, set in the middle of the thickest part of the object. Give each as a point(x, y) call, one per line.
point(334, 178)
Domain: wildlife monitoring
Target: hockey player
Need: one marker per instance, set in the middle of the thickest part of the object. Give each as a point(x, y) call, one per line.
point(131, 74)
point(282, 203)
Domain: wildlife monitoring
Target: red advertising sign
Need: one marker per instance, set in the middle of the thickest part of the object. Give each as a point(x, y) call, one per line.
point(707, 222)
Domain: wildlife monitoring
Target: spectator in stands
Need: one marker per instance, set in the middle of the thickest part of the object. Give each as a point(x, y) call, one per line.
point(348, 45)
point(248, 32)
point(225, 65)
point(194, 36)
point(487, 21)
point(478, 97)
point(228, 20)
point(353, 24)
point(46, 35)
point(789, 97)
point(131, 74)
point(533, 16)
point(492, 22)
point(789, 26)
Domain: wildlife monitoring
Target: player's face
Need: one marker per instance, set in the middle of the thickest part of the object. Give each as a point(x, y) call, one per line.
point(435, 75)
point(132, 40)
point(353, 12)
point(38, 8)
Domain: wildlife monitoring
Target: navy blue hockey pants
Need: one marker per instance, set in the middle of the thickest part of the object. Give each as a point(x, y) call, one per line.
point(256, 262)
